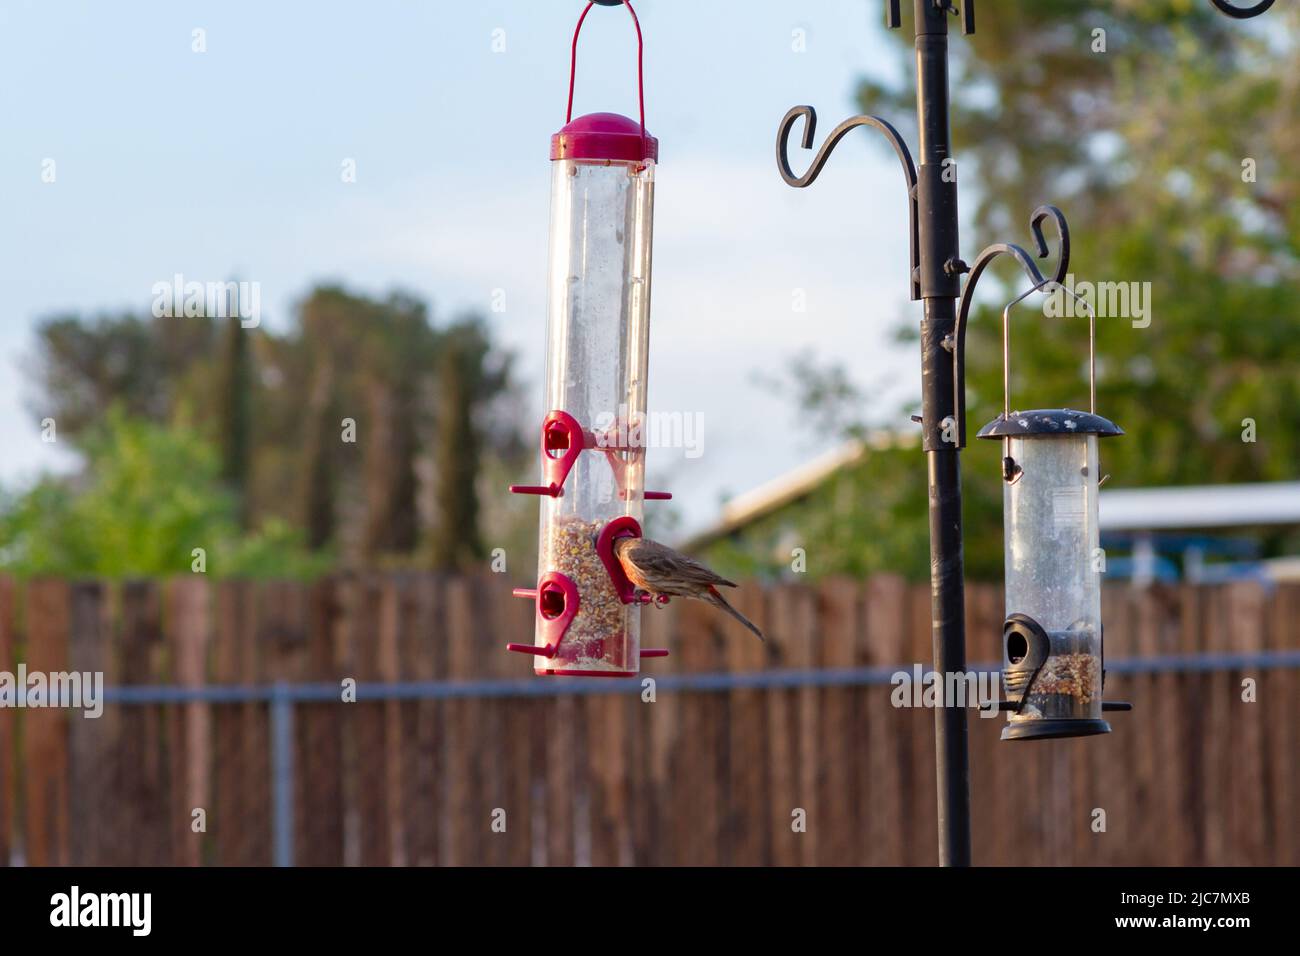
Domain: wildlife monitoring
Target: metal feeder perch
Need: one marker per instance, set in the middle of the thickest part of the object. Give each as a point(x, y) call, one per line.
point(598, 339)
point(1052, 658)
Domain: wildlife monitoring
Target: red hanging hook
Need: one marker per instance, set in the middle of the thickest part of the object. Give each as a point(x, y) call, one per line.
point(640, 50)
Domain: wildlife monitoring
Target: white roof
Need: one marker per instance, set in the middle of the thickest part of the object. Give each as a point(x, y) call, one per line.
point(1183, 507)
point(793, 485)
point(790, 486)
point(1200, 506)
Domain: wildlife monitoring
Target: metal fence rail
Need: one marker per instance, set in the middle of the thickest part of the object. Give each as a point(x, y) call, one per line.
point(721, 682)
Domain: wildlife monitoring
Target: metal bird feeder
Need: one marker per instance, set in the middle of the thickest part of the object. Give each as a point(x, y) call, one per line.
point(1052, 657)
point(597, 338)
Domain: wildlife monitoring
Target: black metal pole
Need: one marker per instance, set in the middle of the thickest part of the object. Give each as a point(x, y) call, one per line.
point(940, 270)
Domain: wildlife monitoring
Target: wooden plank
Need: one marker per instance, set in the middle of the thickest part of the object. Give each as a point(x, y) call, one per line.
point(403, 724)
point(1108, 775)
point(117, 836)
point(1218, 700)
point(1280, 695)
point(428, 661)
point(748, 834)
point(674, 721)
point(467, 820)
point(8, 722)
point(523, 779)
point(189, 637)
point(804, 637)
point(239, 823)
point(1162, 718)
point(367, 794)
point(488, 742)
point(559, 715)
point(319, 834)
point(45, 729)
point(658, 832)
point(887, 621)
point(604, 767)
point(606, 773)
point(784, 780)
point(284, 650)
point(1191, 705)
point(392, 591)
point(655, 729)
point(915, 740)
point(1246, 634)
point(349, 595)
point(697, 784)
point(92, 741)
point(1155, 811)
point(841, 626)
point(994, 806)
point(671, 759)
point(636, 824)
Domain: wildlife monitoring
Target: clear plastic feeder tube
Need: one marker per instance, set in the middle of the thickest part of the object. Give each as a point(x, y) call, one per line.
point(1053, 571)
point(598, 331)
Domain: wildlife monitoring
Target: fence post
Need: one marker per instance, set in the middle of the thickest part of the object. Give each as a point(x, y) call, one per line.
point(282, 774)
point(45, 730)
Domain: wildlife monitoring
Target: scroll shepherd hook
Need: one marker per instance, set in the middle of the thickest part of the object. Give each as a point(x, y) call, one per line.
point(982, 262)
point(1242, 13)
point(809, 115)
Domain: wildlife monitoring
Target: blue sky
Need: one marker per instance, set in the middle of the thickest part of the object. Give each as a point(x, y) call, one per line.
point(227, 163)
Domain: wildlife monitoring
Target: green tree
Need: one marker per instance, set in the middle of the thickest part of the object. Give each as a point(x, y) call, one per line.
point(372, 361)
point(141, 365)
point(398, 367)
point(235, 387)
point(150, 497)
point(467, 380)
point(320, 439)
point(1163, 130)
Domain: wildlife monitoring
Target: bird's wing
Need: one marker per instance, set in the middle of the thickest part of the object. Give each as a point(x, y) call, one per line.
point(657, 560)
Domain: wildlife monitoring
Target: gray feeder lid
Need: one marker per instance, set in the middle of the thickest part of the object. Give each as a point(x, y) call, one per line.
point(1050, 421)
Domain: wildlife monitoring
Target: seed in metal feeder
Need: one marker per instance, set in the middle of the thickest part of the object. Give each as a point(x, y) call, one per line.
point(1052, 637)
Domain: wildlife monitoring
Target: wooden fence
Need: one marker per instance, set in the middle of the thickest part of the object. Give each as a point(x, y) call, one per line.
point(1194, 775)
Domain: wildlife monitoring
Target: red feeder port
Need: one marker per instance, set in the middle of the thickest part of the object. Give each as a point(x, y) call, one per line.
point(558, 603)
point(624, 527)
point(562, 443)
point(626, 458)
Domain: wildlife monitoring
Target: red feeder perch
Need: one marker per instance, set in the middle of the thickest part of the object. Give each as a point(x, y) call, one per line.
point(598, 340)
point(558, 604)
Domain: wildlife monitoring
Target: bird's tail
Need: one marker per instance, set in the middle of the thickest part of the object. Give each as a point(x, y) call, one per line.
point(717, 600)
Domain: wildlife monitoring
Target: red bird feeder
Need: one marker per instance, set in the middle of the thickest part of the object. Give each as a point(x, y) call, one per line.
point(598, 339)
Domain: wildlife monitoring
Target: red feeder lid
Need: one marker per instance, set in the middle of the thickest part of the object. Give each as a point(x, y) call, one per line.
point(607, 137)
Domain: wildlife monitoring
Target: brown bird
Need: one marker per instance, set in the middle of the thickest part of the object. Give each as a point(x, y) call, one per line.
point(658, 569)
